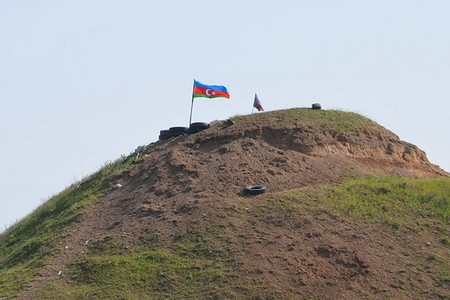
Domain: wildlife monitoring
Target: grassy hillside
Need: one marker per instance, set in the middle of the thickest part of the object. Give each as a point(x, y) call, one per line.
point(196, 264)
point(179, 228)
point(398, 202)
point(26, 246)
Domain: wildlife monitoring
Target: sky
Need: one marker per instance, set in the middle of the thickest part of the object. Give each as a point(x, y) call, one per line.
point(83, 82)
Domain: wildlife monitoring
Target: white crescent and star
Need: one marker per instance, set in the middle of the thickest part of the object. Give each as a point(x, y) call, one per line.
point(210, 92)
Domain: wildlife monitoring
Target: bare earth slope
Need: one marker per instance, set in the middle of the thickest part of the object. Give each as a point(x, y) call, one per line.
point(191, 182)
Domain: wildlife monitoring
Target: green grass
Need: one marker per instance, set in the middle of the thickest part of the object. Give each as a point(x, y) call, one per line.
point(339, 121)
point(156, 274)
point(14, 280)
point(194, 263)
point(28, 244)
point(199, 262)
point(396, 201)
point(189, 265)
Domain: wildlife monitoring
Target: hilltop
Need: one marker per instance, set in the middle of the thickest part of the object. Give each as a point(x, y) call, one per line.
point(351, 212)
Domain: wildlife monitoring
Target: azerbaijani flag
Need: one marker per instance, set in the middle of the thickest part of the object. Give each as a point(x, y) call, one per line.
point(209, 91)
point(257, 104)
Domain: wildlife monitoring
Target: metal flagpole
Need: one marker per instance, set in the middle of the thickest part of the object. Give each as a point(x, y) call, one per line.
point(253, 106)
point(192, 104)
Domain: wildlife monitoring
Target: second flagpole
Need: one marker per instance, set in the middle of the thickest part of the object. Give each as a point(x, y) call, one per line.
point(253, 106)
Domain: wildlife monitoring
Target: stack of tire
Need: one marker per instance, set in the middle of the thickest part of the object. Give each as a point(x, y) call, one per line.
point(172, 132)
point(197, 127)
point(177, 131)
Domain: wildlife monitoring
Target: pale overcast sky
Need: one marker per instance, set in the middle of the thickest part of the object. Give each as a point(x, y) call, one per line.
point(82, 82)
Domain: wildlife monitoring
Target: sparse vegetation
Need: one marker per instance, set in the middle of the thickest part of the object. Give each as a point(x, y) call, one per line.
point(339, 121)
point(175, 240)
point(27, 245)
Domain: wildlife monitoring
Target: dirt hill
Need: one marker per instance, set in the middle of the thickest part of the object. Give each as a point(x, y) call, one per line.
point(173, 222)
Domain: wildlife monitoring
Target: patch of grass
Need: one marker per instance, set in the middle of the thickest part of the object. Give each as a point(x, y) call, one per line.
point(28, 244)
point(156, 274)
point(396, 201)
point(14, 280)
point(196, 263)
point(103, 245)
point(339, 121)
point(441, 266)
point(438, 264)
point(205, 242)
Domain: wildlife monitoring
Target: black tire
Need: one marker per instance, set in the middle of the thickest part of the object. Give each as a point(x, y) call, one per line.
point(172, 132)
point(316, 106)
point(178, 129)
point(197, 127)
point(255, 190)
point(163, 137)
point(193, 130)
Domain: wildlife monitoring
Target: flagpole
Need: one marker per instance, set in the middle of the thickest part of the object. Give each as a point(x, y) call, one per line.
point(253, 106)
point(192, 104)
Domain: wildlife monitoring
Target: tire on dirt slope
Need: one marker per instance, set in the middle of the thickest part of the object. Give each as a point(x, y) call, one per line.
point(255, 190)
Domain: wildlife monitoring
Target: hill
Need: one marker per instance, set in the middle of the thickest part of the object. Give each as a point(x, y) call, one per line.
point(351, 212)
